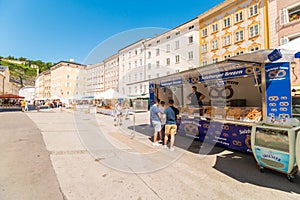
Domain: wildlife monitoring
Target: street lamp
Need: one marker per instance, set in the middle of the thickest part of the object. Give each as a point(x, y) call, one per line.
point(293, 66)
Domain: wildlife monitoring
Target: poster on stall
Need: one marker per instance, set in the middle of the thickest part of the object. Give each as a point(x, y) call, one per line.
point(278, 94)
point(231, 136)
point(272, 159)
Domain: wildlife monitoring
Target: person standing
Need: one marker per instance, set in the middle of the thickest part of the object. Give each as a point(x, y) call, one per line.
point(23, 105)
point(172, 114)
point(163, 120)
point(155, 121)
point(26, 106)
point(196, 99)
point(118, 113)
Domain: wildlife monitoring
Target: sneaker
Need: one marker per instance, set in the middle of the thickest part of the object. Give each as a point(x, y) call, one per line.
point(165, 146)
point(172, 148)
point(159, 141)
point(155, 144)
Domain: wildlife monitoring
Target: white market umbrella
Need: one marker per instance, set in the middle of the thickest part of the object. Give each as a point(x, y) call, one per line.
point(112, 94)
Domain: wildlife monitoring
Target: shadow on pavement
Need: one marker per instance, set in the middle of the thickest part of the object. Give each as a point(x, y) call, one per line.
point(239, 166)
point(242, 167)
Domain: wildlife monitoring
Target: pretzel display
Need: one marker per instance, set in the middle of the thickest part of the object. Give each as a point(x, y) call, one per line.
point(235, 112)
point(254, 115)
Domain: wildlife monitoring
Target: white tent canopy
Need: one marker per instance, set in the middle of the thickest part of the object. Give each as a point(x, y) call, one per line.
point(111, 94)
point(293, 45)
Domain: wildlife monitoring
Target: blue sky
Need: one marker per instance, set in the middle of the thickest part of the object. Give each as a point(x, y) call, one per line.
point(55, 30)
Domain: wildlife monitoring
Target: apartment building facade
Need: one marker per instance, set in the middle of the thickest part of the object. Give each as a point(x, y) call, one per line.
point(132, 70)
point(288, 20)
point(232, 28)
point(173, 51)
point(67, 81)
point(111, 72)
point(95, 79)
point(47, 84)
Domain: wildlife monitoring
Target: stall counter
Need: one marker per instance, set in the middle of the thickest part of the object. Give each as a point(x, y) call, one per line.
point(229, 134)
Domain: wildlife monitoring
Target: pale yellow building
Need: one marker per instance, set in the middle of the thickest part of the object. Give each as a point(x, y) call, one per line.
point(39, 86)
point(68, 81)
point(232, 28)
point(47, 85)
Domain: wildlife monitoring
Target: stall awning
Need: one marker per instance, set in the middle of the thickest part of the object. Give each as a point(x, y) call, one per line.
point(286, 51)
point(10, 96)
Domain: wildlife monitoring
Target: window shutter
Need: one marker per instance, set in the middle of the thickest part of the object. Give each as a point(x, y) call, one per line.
point(283, 17)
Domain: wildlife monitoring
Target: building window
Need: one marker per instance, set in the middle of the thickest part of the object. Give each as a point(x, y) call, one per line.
point(191, 27)
point(168, 48)
point(214, 60)
point(215, 27)
point(158, 41)
point(168, 37)
point(177, 33)
point(204, 32)
point(226, 40)
point(254, 30)
point(157, 64)
point(239, 53)
point(135, 63)
point(226, 22)
point(168, 61)
point(136, 52)
point(204, 48)
point(149, 76)
point(157, 52)
point(293, 13)
point(239, 17)
point(214, 44)
point(149, 54)
point(191, 55)
point(129, 66)
point(254, 49)
point(239, 36)
point(253, 10)
point(123, 67)
point(141, 62)
point(129, 78)
point(149, 66)
point(177, 59)
point(191, 39)
point(68, 92)
point(177, 44)
point(129, 54)
point(68, 76)
point(157, 75)
point(227, 56)
point(68, 84)
point(123, 57)
point(141, 76)
point(204, 62)
point(135, 77)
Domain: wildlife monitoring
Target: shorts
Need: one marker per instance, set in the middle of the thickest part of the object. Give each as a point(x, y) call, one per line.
point(156, 125)
point(170, 129)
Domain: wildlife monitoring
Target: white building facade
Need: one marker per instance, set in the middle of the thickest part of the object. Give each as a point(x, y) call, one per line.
point(132, 70)
point(95, 79)
point(173, 51)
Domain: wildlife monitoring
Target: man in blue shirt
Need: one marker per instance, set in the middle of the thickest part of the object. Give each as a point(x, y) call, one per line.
point(155, 121)
point(172, 114)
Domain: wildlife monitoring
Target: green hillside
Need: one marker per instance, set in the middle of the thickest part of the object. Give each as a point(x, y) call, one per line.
point(24, 74)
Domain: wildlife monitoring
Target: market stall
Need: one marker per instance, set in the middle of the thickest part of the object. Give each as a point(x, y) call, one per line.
point(237, 97)
point(107, 101)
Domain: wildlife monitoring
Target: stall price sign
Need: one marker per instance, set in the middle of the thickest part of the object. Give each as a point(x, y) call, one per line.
point(278, 94)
